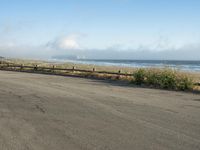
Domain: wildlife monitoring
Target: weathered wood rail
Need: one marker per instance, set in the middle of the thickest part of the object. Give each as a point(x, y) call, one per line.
point(60, 71)
point(36, 68)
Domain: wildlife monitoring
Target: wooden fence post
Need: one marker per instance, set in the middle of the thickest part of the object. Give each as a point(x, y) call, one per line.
point(73, 68)
point(36, 67)
point(21, 67)
point(53, 68)
point(119, 72)
point(1, 66)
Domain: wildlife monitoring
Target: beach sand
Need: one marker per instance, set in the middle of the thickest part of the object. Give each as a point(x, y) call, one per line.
point(194, 75)
point(47, 112)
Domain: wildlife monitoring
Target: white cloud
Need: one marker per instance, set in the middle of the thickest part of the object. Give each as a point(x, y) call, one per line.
point(69, 42)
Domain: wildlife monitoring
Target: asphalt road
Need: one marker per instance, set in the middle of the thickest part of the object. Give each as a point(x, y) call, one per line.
point(41, 112)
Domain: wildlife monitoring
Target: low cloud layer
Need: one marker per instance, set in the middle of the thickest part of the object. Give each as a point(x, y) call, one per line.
point(68, 47)
point(160, 50)
point(178, 54)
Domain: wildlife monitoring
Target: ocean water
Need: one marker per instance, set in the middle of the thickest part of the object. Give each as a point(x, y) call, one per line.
point(192, 66)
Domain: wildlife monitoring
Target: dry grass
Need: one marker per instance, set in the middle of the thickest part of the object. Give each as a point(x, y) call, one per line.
point(70, 65)
point(160, 78)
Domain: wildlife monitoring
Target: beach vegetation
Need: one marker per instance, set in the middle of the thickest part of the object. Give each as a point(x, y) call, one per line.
point(162, 78)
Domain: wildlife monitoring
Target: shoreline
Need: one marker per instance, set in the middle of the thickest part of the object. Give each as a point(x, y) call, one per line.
point(46, 63)
point(182, 65)
point(158, 78)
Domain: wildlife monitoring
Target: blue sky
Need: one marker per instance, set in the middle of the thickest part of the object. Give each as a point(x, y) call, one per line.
point(72, 26)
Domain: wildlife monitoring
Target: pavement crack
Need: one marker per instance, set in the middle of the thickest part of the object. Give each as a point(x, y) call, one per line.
point(40, 108)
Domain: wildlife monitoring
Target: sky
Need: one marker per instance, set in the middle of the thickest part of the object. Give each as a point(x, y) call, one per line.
point(100, 29)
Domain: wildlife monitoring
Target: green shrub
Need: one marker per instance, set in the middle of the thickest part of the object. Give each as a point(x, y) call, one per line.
point(153, 78)
point(185, 83)
point(139, 77)
point(168, 79)
point(162, 78)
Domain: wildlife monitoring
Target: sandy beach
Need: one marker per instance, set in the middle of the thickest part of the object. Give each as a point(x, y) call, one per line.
point(194, 75)
point(46, 112)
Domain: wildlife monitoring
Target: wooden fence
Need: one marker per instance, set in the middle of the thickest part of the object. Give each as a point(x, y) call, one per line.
point(37, 68)
point(52, 70)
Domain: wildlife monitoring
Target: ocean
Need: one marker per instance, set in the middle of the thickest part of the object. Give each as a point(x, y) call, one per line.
point(193, 66)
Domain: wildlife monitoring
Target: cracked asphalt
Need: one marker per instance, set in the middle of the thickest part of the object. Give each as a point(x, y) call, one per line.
point(45, 112)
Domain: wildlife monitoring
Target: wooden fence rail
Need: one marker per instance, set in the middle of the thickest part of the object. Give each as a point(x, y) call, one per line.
point(53, 69)
point(11, 66)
